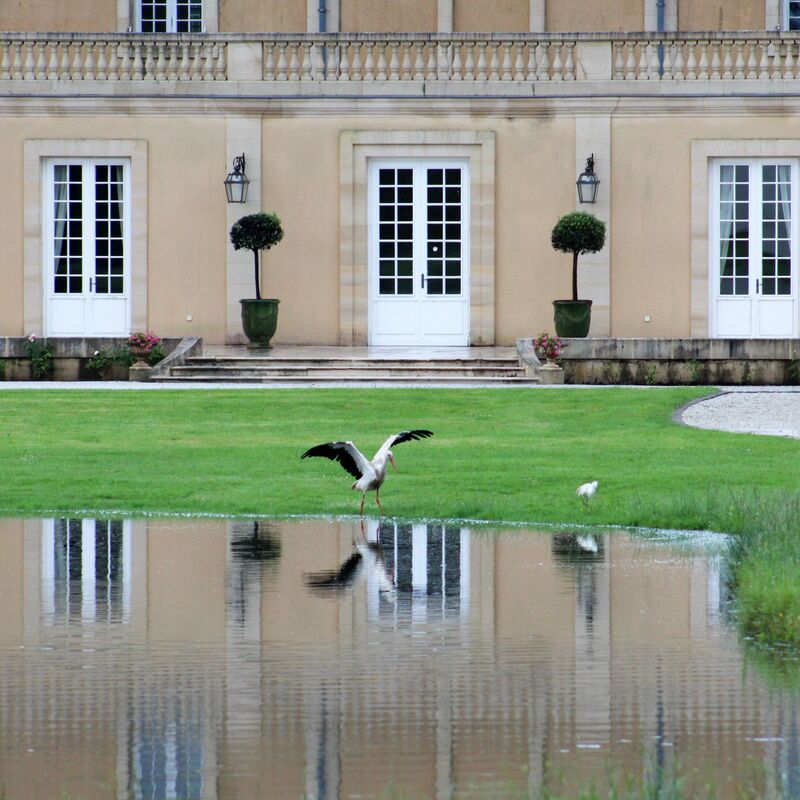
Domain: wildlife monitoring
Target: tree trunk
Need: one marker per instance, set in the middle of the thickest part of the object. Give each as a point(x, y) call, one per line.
point(258, 282)
point(575, 276)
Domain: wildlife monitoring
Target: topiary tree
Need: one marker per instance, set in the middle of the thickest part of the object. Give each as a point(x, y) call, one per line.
point(578, 233)
point(256, 232)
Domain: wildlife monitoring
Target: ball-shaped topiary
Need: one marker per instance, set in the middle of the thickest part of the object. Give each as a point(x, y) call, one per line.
point(578, 233)
point(256, 232)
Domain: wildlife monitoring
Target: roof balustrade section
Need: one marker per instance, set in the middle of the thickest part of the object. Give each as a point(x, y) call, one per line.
point(403, 64)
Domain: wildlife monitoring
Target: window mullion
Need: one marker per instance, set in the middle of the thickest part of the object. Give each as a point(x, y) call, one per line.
point(89, 228)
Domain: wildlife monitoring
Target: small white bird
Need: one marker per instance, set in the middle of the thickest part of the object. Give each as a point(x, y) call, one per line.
point(586, 491)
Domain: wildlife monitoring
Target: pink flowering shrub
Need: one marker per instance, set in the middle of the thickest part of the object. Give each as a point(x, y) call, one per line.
point(548, 346)
point(143, 341)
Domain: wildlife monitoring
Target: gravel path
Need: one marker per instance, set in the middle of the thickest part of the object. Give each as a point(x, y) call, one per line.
point(769, 411)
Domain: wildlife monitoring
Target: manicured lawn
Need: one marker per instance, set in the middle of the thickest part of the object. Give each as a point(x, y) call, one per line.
point(512, 455)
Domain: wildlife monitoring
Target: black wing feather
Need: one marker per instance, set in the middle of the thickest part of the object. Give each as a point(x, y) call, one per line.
point(335, 451)
point(411, 436)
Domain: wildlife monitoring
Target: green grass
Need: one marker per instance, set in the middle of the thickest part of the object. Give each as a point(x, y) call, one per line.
point(497, 455)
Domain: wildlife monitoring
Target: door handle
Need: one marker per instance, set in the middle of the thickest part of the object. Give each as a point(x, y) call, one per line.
point(422, 280)
point(758, 286)
point(91, 284)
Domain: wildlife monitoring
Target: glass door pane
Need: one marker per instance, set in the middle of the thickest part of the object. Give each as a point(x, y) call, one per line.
point(67, 229)
point(109, 241)
point(776, 240)
point(444, 231)
point(395, 231)
point(734, 229)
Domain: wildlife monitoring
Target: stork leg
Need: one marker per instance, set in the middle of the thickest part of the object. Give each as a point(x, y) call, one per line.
point(378, 500)
point(363, 497)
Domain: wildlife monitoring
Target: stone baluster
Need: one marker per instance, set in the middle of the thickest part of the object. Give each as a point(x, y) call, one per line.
point(789, 62)
point(150, 64)
point(752, 61)
point(184, 68)
point(543, 72)
point(41, 62)
point(137, 70)
point(369, 62)
point(777, 65)
point(679, 63)
point(630, 61)
point(89, 63)
point(506, 73)
point(406, 73)
point(123, 53)
point(430, 70)
point(419, 62)
point(344, 63)
point(381, 76)
point(208, 61)
point(356, 71)
point(113, 61)
point(727, 61)
point(619, 62)
point(76, 68)
point(394, 63)
point(533, 61)
point(5, 61)
point(643, 67)
point(569, 63)
point(715, 61)
point(172, 62)
point(703, 73)
point(294, 61)
point(558, 73)
point(28, 74)
point(269, 61)
point(306, 67)
point(196, 72)
point(161, 63)
point(281, 65)
point(763, 63)
point(221, 63)
point(740, 63)
point(16, 61)
point(52, 63)
point(691, 62)
point(494, 63)
point(102, 62)
point(457, 65)
point(668, 65)
point(519, 61)
point(444, 54)
point(316, 65)
point(481, 76)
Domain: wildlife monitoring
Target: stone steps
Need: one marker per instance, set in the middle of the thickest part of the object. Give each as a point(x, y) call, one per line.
point(261, 369)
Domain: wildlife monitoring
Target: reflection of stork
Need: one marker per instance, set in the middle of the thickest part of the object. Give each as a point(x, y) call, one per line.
point(366, 560)
point(369, 474)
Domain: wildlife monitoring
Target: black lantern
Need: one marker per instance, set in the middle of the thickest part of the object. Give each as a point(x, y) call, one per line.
point(588, 182)
point(236, 183)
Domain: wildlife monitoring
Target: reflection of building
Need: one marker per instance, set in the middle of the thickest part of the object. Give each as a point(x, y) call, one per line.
point(190, 659)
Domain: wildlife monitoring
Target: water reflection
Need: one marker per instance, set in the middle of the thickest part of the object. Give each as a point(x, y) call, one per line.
point(203, 659)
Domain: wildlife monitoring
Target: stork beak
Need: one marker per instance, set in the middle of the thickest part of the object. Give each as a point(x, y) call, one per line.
point(391, 458)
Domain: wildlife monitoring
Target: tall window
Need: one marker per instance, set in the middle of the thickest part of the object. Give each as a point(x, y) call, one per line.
point(792, 15)
point(171, 16)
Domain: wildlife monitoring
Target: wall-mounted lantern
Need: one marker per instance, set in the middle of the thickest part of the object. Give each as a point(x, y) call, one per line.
point(236, 183)
point(588, 182)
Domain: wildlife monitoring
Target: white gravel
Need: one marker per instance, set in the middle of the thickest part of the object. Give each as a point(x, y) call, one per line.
point(765, 411)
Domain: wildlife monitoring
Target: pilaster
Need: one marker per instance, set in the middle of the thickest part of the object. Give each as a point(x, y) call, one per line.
point(445, 16)
point(537, 16)
point(243, 137)
point(593, 136)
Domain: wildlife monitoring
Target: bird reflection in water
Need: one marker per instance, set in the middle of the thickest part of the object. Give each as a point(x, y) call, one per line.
point(367, 560)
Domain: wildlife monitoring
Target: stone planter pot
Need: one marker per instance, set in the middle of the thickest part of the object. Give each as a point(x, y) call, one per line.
point(572, 318)
point(259, 321)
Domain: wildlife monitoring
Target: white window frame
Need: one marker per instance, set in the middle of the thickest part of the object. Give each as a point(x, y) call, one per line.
point(89, 237)
point(129, 16)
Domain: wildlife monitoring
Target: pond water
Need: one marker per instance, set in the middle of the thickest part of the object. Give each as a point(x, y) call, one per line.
point(238, 659)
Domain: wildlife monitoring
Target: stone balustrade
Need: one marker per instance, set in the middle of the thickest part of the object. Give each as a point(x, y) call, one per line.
point(513, 61)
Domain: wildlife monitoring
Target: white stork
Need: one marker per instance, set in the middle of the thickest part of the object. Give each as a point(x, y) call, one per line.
point(369, 475)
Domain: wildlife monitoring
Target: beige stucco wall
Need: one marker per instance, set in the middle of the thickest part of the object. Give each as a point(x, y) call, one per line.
point(397, 16)
point(594, 15)
point(268, 16)
point(185, 215)
point(500, 16)
point(720, 15)
point(58, 15)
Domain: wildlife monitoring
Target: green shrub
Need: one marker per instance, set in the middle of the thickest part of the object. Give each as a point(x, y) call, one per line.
point(578, 233)
point(256, 232)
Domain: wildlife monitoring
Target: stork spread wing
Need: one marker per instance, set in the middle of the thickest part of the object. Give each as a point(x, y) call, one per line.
point(346, 453)
point(403, 436)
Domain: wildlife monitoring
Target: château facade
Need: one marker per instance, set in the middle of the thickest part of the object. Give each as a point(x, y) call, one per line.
point(418, 152)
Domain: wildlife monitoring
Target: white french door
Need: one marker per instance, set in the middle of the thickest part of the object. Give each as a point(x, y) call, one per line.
point(754, 245)
point(419, 253)
point(87, 247)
